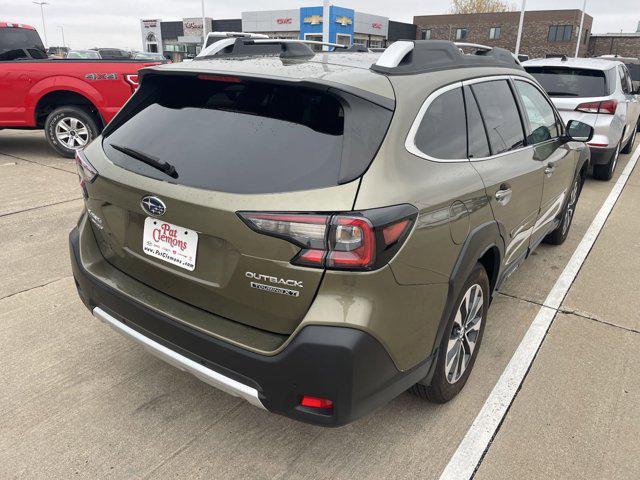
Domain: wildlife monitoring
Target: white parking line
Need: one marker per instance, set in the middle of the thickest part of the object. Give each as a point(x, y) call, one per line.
point(475, 443)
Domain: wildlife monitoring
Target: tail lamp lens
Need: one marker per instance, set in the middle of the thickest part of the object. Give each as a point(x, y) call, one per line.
point(86, 171)
point(607, 107)
point(352, 243)
point(334, 241)
point(308, 231)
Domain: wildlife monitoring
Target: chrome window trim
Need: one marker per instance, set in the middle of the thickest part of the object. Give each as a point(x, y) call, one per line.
point(410, 141)
point(410, 144)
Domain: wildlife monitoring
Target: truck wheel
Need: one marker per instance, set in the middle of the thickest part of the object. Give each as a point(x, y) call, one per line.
point(461, 340)
point(70, 128)
point(559, 235)
point(605, 172)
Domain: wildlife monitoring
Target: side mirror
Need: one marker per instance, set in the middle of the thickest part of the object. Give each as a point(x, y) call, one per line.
point(579, 132)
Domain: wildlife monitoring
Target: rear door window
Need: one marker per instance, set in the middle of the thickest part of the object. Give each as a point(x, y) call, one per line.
point(571, 82)
point(227, 134)
point(478, 144)
point(500, 113)
point(442, 133)
point(542, 119)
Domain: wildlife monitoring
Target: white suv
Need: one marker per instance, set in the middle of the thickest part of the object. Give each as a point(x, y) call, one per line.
point(598, 92)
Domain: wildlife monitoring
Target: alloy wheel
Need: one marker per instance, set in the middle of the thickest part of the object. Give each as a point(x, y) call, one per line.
point(464, 335)
point(72, 133)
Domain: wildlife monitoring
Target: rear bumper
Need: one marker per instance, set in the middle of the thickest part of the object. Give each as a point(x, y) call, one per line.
point(345, 365)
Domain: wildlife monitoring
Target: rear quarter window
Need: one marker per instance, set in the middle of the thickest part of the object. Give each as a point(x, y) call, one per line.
point(442, 133)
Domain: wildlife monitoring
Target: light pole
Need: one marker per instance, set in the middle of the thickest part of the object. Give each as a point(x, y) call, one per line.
point(584, 7)
point(204, 29)
point(64, 44)
point(325, 24)
point(524, 4)
point(44, 28)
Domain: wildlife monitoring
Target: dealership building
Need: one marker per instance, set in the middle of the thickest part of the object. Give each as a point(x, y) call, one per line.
point(345, 26)
point(183, 38)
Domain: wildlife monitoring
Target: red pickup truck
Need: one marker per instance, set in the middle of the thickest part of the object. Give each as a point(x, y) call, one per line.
point(72, 100)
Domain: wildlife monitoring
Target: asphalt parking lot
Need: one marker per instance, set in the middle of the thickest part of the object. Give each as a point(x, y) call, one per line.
point(77, 399)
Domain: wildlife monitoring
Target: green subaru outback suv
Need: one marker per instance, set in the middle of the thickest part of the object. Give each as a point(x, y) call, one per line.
point(319, 233)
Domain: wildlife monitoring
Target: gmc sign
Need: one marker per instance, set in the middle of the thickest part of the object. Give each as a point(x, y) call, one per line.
point(284, 21)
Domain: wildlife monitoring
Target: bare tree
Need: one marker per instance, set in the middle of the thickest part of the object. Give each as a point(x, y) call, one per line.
point(480, 6)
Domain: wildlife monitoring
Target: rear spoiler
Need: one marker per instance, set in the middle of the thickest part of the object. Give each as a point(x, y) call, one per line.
point(321, 84)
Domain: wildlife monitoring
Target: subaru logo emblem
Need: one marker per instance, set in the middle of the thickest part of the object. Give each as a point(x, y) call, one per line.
point(153, 206)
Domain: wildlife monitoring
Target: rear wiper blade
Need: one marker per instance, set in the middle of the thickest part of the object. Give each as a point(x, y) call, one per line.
point(164, 167)
point(562, 94)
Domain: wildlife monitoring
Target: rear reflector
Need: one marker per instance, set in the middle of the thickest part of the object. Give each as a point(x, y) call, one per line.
point(601, 145)
point(315, 402)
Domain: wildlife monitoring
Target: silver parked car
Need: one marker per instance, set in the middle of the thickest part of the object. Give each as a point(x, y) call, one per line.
point(598, 92)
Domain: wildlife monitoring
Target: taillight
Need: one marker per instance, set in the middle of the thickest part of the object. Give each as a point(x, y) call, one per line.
point(86, 172)
point(607, 107)
point(355, 241)
point(352, 243)
point(132, 80)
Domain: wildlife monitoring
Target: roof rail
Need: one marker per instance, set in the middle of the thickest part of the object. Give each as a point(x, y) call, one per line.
point(477, 46)
point(420, 56)
point(243, 46)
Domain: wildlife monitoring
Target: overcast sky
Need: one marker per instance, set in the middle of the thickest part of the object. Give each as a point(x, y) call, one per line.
point(116, 23)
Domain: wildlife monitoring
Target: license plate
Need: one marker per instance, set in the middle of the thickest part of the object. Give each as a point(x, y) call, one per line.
point(171, 243)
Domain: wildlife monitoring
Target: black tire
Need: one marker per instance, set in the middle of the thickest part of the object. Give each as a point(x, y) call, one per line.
point(560, 234)
point(605, 172)
point(629, 146)
point(444, 386)
point(66, 116)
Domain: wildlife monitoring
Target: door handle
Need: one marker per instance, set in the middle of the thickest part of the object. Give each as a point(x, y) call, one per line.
point(549, 169)
point(503, 196)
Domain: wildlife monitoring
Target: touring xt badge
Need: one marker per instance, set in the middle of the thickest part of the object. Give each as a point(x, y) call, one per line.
point(275, 284)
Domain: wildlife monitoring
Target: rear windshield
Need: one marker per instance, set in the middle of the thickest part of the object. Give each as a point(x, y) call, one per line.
point(231, 135)
point(571, 82)
point(634, 71)
point(17, 43)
